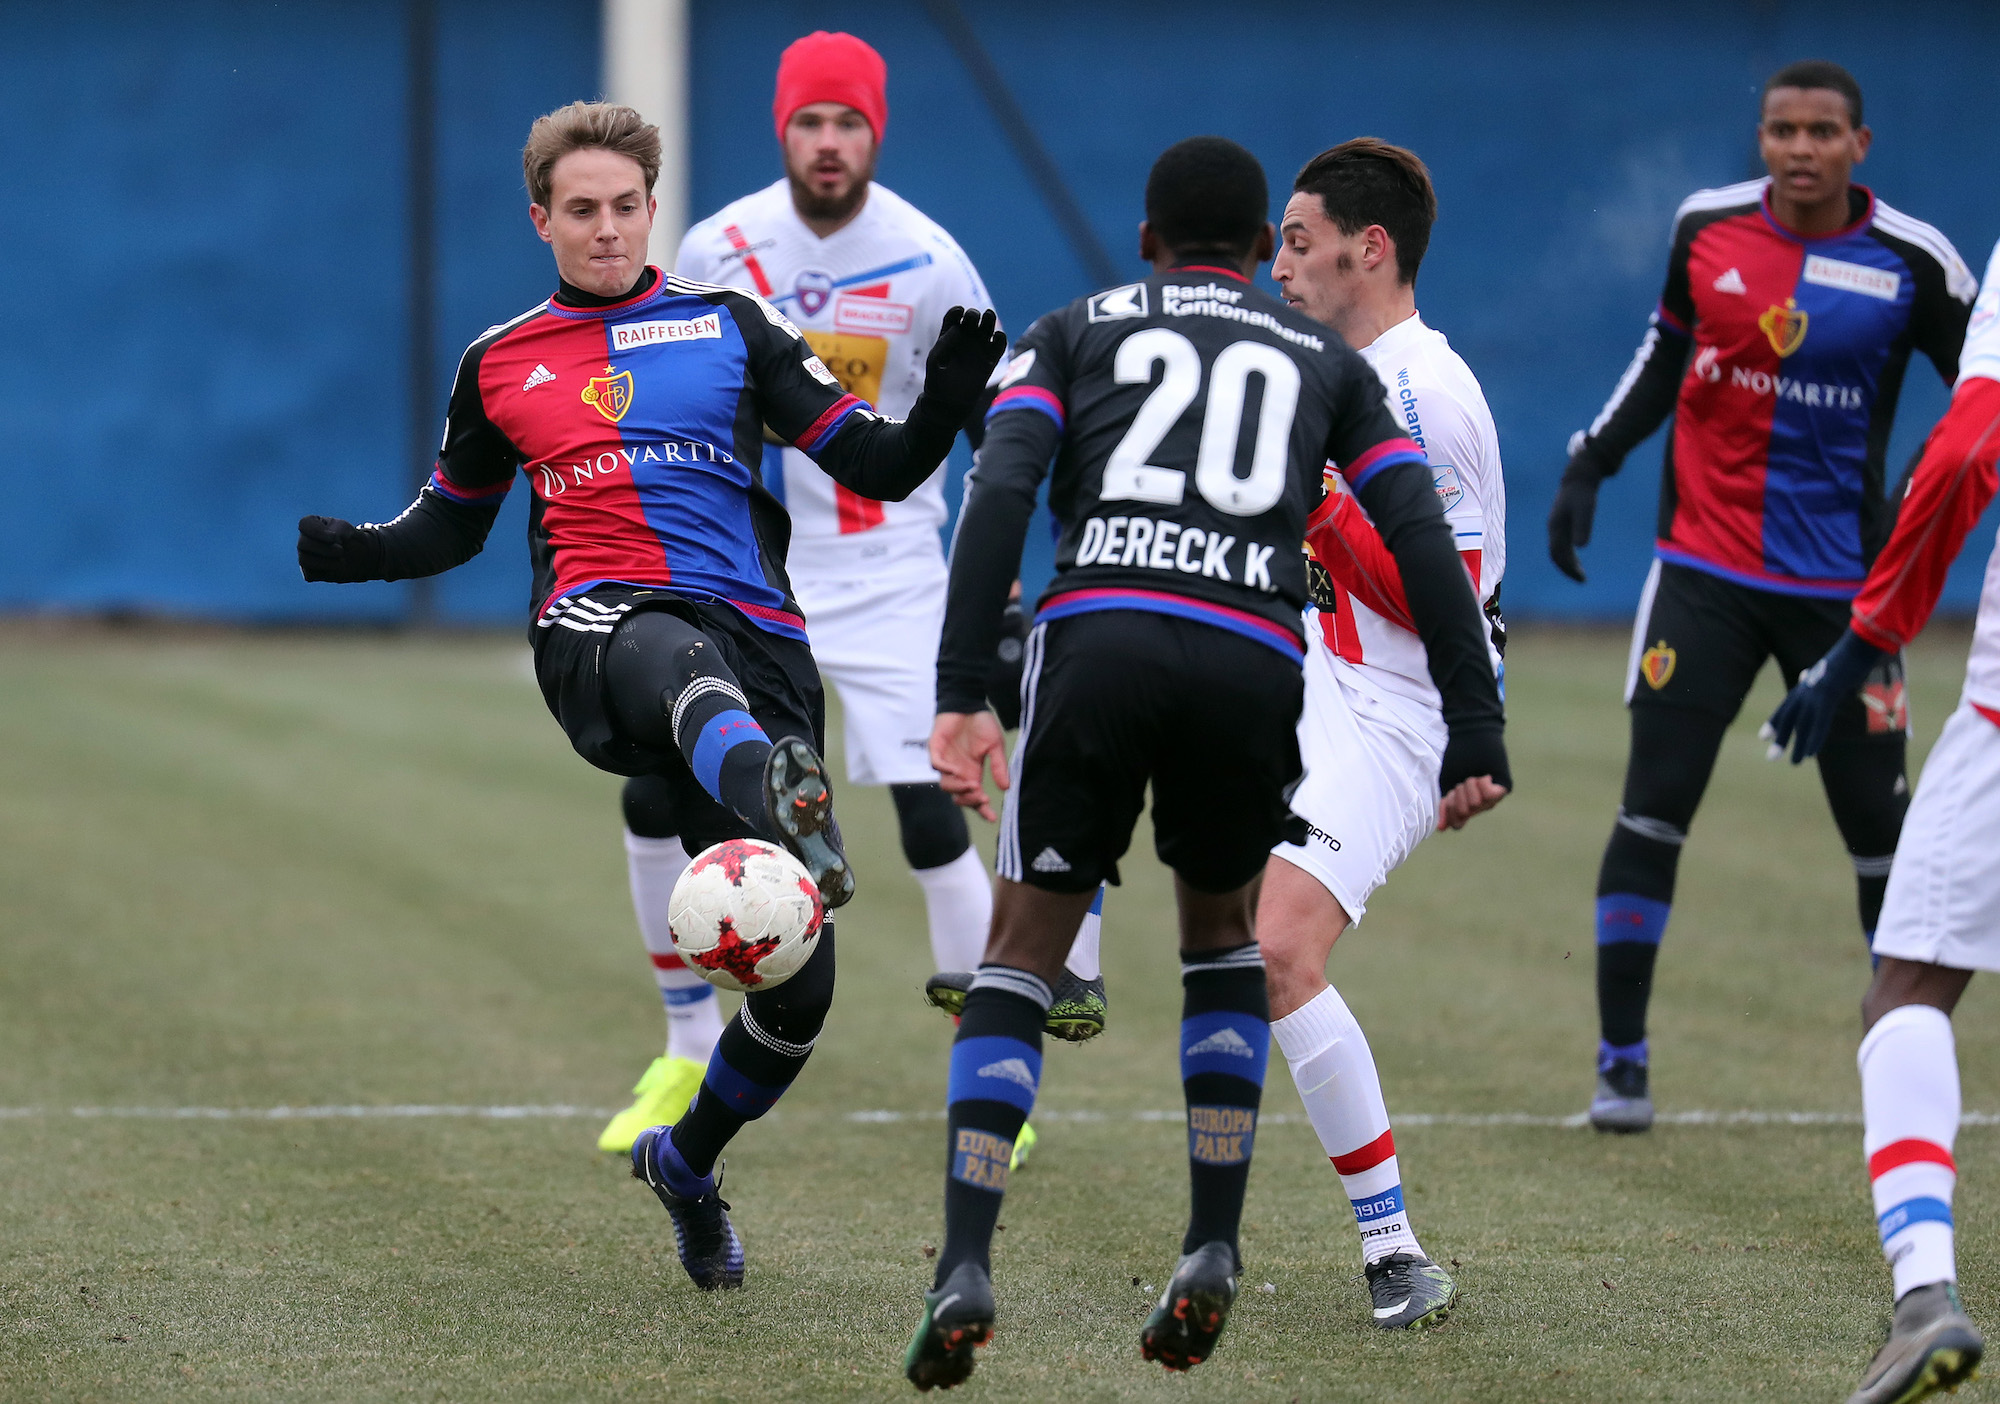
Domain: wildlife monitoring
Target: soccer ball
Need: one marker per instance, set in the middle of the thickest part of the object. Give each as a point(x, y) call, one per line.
point(745, 915)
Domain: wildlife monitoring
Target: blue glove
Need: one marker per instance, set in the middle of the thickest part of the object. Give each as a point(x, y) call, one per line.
point(1806, 715)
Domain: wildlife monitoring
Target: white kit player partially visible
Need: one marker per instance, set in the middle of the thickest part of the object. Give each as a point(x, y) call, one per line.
point(866, 277)
point(1372, 734)
point(1941, 914)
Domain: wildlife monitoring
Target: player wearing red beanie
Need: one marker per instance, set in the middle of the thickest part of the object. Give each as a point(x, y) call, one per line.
point(825, 67)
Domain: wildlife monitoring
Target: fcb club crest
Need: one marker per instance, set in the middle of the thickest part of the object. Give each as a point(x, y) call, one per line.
point(610, 394)
point(1656, 665)
point(1784, 326)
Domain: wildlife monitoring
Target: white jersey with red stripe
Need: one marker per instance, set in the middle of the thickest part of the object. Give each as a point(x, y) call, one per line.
point(869, 298)
point(1437, 401)
point(1981, 360)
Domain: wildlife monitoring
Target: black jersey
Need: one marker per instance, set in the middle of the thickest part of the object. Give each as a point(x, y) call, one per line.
point(1190, 417)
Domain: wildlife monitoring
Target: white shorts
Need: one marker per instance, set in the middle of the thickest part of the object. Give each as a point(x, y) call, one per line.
point(876, 641)
point(1943, 904)
point(1370, 791)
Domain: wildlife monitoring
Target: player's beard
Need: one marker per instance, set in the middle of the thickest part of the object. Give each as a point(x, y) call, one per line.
point(813, 205)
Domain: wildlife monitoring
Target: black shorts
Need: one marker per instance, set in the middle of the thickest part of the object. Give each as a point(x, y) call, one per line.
point(1700, 640)
point(1114, 699)
point(776, 673)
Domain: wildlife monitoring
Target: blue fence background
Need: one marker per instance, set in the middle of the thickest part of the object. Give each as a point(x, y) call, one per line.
point(207, 271)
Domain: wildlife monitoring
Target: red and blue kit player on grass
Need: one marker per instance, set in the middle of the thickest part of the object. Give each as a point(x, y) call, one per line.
point(1791, 308)
point(666, 638)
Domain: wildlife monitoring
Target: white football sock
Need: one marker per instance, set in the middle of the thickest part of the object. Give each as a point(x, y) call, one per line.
point(1082, 959)
point(1335, 1075)
point(958, 899)
point(1910, 1107)
point(694, 1014)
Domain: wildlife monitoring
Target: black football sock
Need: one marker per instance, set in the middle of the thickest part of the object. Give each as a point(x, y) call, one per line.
point(1225, 1043)
point(1635, 894)
point(996, 1068)
point(761, 1051)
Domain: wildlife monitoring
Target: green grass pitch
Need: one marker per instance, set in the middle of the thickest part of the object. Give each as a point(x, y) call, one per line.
point(259, 871)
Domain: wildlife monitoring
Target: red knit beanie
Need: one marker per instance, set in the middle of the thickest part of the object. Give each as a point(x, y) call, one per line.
point(826, 67)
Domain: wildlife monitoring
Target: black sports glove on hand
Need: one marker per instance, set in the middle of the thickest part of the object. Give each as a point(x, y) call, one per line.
point(1571, 517)
point(1003, 684)
point(1808, 710)
point(330, 549)
point(1471, 751)
point(969, 345)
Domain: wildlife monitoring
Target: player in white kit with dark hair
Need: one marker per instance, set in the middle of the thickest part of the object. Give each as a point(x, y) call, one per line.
point(1372, 735)
point(865, 276)
point(1941, 914)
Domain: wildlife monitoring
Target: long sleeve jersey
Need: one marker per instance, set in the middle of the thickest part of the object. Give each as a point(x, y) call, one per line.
point(1951, 486)
point(639, 427)
point(1190, 417)
point(1781, 358)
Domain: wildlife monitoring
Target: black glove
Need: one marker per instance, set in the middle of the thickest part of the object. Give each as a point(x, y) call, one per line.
point(330, 549)
point(1808, 710)
point(1003, 683)
point(1570, 518)
point(1474, 750)
point(969, 345)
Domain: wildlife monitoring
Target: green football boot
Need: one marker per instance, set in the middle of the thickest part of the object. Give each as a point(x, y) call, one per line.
point(1077, 1016)
point(1410, 1292)
point(958, 1317)
point(1182, 1330)
point(1932, 1346)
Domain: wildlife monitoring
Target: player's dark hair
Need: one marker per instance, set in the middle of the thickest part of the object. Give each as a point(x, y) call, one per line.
point(1368, 181)
point(579, 127)
point(1207, 195)
point(1819, 73)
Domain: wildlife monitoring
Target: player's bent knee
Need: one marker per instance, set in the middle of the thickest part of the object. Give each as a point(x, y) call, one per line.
point(933, 827)
point(648, 802)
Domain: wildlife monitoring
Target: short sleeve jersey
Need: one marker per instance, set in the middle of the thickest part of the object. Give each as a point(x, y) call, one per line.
point(1436, 399)
point(1799, 346)
point(640, 427)
point(868, 298)
point(1197, 414)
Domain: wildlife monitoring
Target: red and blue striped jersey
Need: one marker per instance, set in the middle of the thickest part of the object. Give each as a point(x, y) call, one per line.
point(640, 429)
point(1781, 357)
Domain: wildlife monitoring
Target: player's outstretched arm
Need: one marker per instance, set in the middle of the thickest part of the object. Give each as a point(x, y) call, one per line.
point(431, 536)
point(888, 460)
point(1644, 398)
point(1950, 488)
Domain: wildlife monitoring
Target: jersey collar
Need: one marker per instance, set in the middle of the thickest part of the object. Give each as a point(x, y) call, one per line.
point(1853, 226)
point(657, 288)
point(1402, 334)
point(1229, 273)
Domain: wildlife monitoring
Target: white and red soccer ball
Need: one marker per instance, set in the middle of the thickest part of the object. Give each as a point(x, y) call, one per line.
point(745, 915)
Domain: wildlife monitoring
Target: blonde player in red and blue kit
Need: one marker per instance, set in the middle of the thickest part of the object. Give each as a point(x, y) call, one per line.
point(666, 638)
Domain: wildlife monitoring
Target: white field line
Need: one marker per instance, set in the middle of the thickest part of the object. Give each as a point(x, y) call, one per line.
point(566, 1112)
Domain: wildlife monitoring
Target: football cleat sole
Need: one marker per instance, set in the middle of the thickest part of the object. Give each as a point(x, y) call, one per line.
point(1076, 1017)
point(957, 1320)
point(799, 802)
point(1182, 1329)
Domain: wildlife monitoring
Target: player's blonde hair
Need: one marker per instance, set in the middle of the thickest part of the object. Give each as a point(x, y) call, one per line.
point(580, 127)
